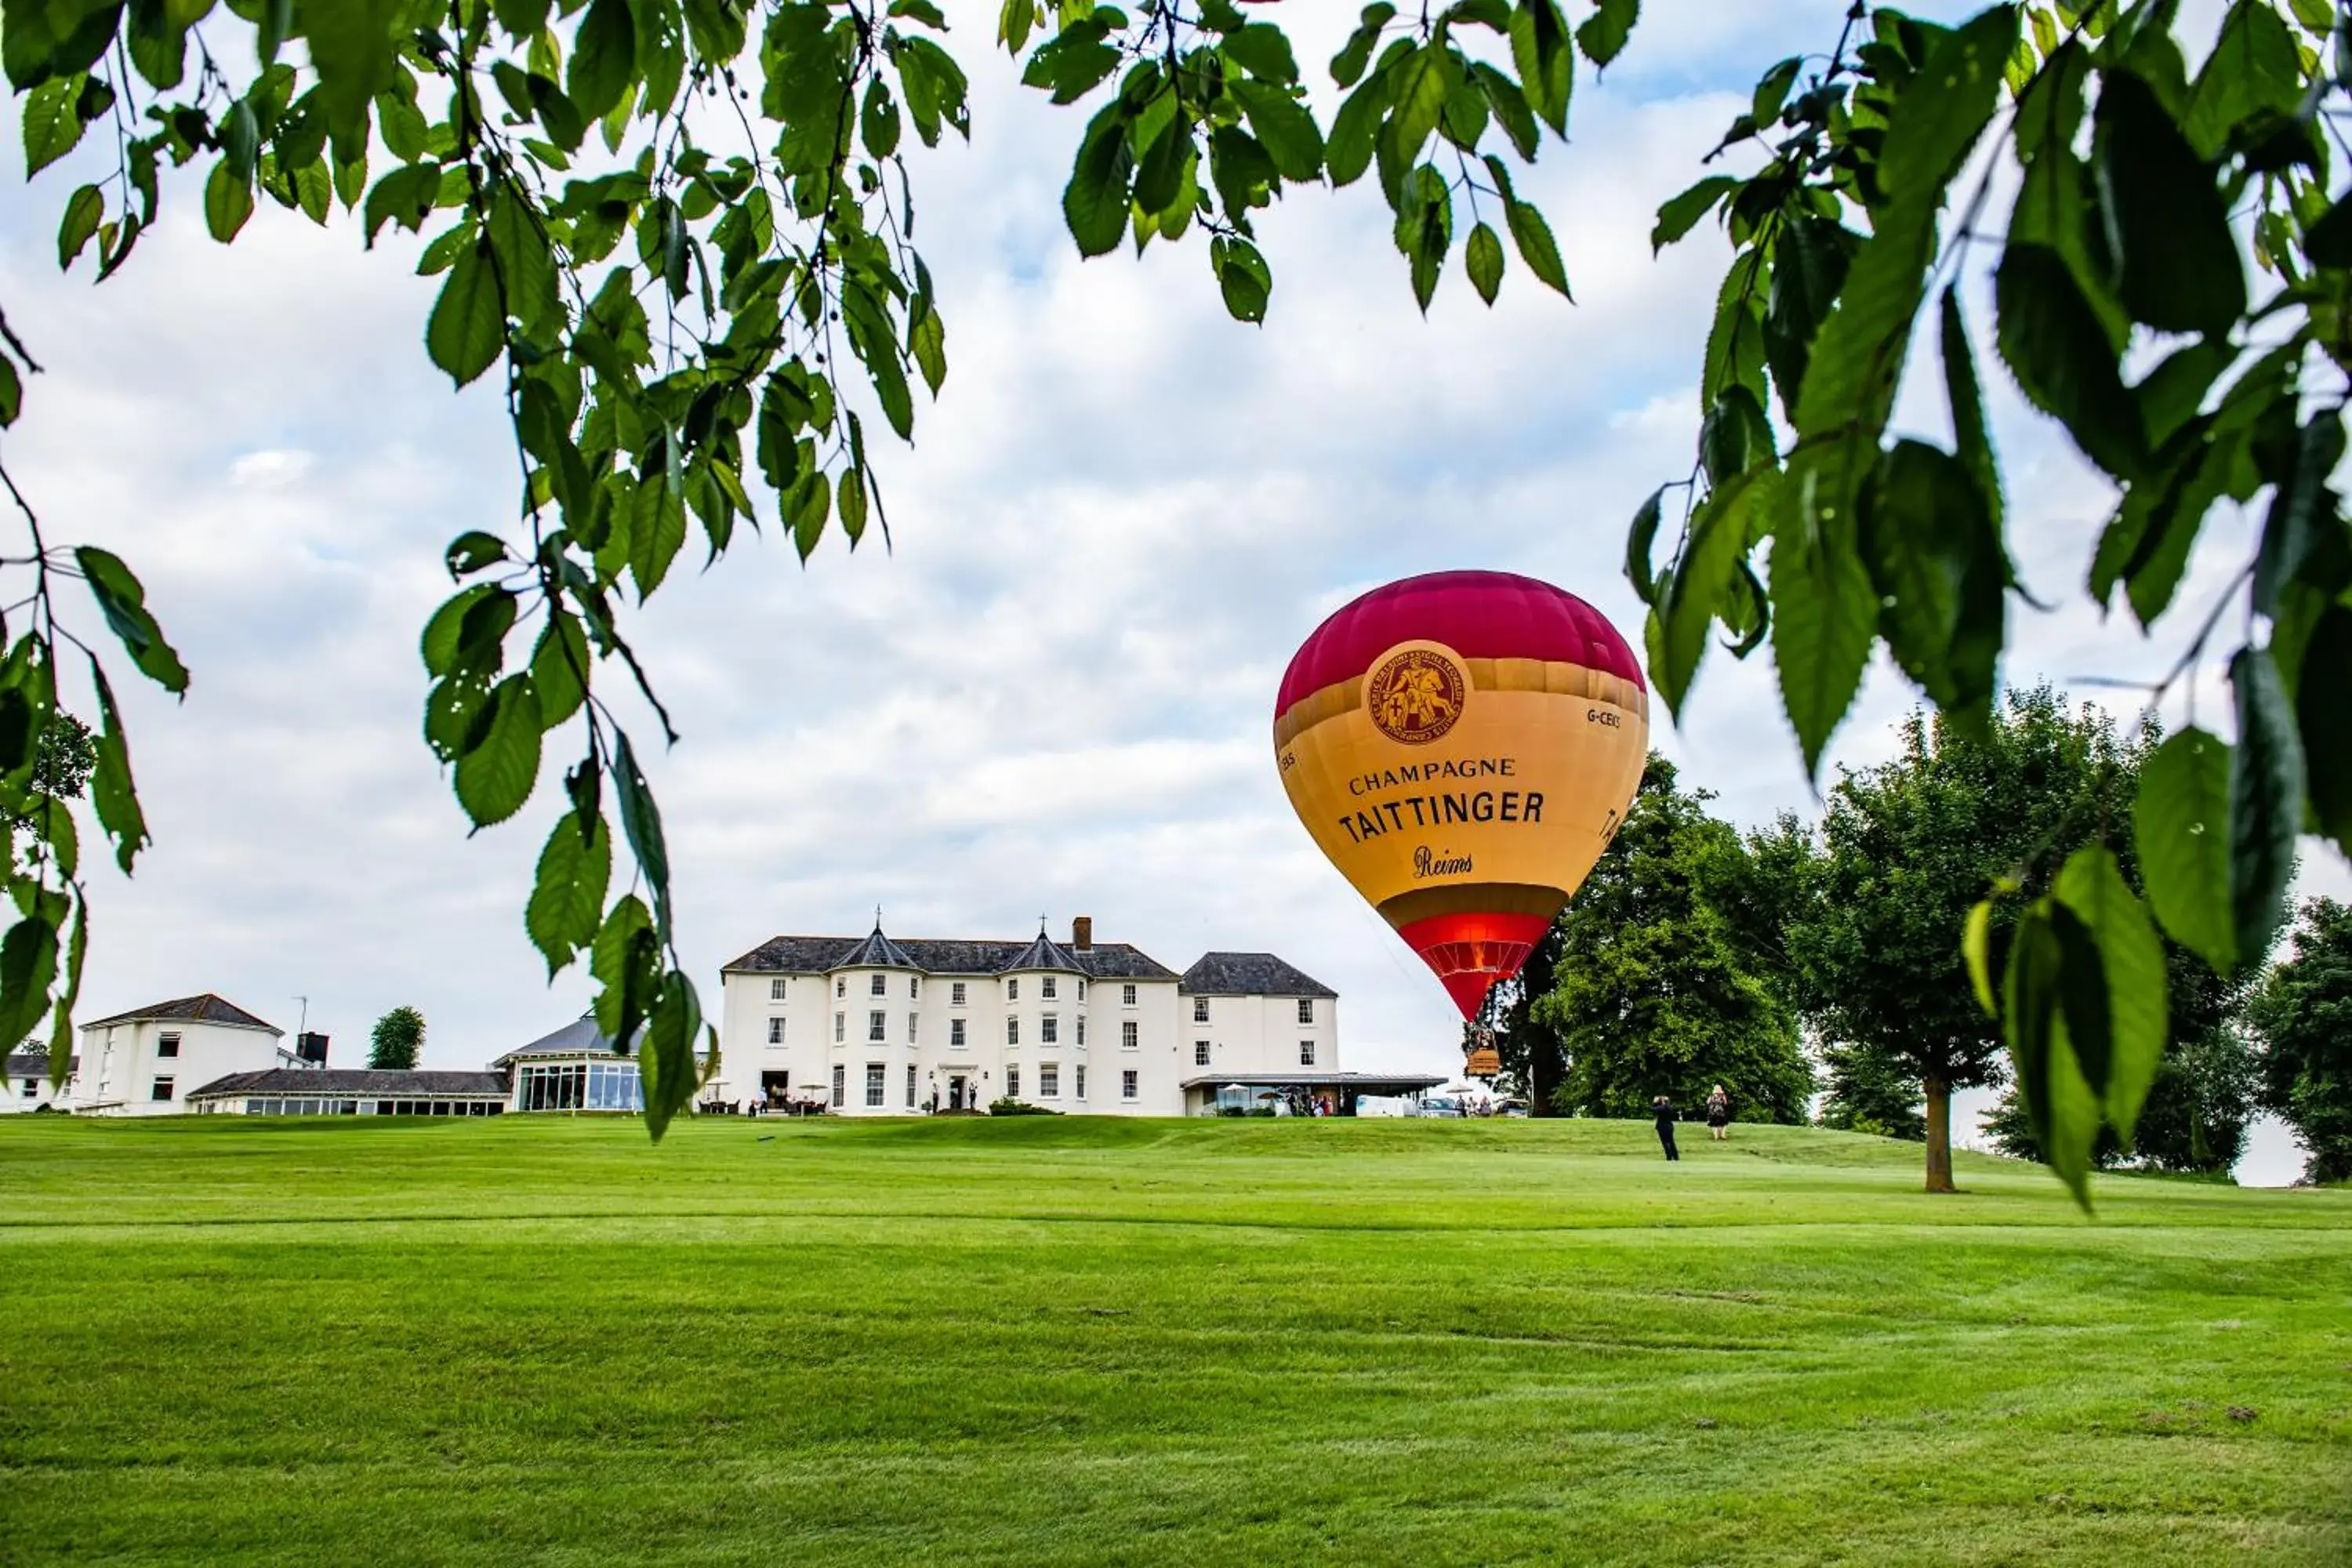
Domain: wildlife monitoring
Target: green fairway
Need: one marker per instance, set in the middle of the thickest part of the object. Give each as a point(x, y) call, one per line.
point(538, 1340)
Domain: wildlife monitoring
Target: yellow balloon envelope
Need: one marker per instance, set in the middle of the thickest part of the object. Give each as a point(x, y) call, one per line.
point(1462, 746)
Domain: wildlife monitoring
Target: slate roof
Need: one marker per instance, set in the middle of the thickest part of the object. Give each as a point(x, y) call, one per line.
point(337, 1083)
point(204, 1009)
point(36, 1064)
point(823, 954)
point(1249, 974)
point(580, 1035)
point(1043, 953)
point(878, 952)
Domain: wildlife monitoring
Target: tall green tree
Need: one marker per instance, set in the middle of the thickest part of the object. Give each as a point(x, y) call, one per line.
point(396, 1039)
point(1654, 992)
point(1909, 847)
point(2302, 1016)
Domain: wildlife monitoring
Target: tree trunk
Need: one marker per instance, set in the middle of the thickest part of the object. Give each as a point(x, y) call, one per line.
point(1545, 1069)
point(1940, 1136)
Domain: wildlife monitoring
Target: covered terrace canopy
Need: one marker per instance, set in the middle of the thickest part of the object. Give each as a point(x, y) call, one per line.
point(1211, 1090)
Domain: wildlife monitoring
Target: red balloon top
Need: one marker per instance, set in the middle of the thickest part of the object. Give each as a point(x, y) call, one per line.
point(1478, 614)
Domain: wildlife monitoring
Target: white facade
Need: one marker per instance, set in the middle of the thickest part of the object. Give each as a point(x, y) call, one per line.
point(881, 1027)
point(145, 1062)
point(27, 1087)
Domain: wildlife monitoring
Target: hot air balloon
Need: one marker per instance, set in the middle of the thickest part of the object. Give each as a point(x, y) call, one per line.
point(1462, 746)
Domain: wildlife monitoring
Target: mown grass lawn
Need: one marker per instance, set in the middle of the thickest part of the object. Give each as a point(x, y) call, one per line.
point(532, 1340)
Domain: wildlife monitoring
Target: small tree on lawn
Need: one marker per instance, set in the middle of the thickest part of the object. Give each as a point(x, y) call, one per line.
point(398, 1035)
point(1654, 992)
point(2304, 1016)
point(1910, 846)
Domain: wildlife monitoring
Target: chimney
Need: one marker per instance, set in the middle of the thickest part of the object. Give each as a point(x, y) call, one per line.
point(1082, 933)
point(311, 1048)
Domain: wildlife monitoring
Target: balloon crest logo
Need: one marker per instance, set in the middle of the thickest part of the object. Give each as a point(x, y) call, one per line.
point(1416, 694)
point(1462, 746)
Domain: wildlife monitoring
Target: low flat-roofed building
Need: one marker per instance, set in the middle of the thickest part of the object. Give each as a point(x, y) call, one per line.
point(351, 1091)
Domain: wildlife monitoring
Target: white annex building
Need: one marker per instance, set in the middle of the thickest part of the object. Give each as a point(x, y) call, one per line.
point(145, 1061)
point(877, 1025)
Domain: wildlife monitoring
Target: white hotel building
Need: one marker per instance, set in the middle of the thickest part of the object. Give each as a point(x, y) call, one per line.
point(878, 1027)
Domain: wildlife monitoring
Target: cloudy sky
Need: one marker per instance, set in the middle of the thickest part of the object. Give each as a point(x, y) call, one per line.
point(1051, 695)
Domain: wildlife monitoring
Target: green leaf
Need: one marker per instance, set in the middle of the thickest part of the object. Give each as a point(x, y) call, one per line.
point(1262, 49)
point(626, 962)
point(1719, 539)
point(666, 1063)
point(1349, 64)
point(1425, 230)
point(927, 340)
point(356, 53)
point(567, 894)
point(1824, 609)
point(657, 533)
point(1283, 124)
point(1772, 89)
point(604, 58)
point(2180, 828)
point(1533, 236)
point(878, 120)
point(1809, 261)
point(1244, 279)
point(1941, 575)
point(1681, 213)
point(1510, 109)
point(2255, 66)
point(124, 604)
point(2323, 703)
point(559, 669)
point(1095, 203)
point(2132, 969)
point(53, 122)
point(445, 646)
point(498, 765)
point(2166, 224)
point(228, 201)
point(1976, 947)
point(2060, 1107)
point(1482, 255)
point(2265, 802)
point(1639, 540)
point(2327, 242)
point(641, 825)
point(28, 964)
point(1973, 443)
point(110, 787)
point(1603, 33)
point(2053, 342)
point(1349, 151)
point(1422, 80)
point(85, 209)
point(1547, 66)
point(467, 330)
point(2304, 522)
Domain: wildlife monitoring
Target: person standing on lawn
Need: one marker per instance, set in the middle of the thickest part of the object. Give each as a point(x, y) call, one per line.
point(1664, 1110)
point(1718, 1114)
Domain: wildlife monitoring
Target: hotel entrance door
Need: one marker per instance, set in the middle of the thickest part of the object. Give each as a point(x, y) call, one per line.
point(960, 1093)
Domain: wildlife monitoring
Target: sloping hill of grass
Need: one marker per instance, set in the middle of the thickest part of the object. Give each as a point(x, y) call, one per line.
point(1066, 1340)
